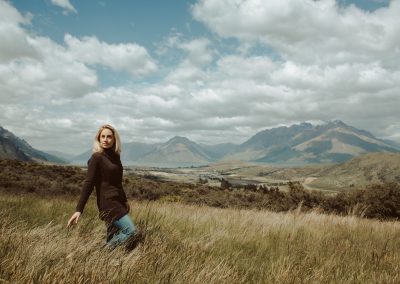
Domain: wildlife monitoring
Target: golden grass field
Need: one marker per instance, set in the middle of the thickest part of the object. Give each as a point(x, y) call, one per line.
point(193, 244)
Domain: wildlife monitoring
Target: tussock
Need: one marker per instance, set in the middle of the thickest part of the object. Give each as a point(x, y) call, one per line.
point(194, 244)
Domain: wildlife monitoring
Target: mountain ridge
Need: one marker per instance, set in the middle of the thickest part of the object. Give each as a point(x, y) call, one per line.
point(297, 144)
point(333, 142)
point(13, 147)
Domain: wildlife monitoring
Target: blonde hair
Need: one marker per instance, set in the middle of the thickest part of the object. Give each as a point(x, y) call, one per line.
point(117, 141)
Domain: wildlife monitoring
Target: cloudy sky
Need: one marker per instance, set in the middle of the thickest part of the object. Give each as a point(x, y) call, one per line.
point(212, 70)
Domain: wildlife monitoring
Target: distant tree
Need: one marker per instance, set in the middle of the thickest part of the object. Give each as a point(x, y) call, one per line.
point(225, 184)
point(263, 188)
point(250, 187)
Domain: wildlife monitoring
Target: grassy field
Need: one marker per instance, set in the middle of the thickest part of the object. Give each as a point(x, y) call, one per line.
point(193, 244)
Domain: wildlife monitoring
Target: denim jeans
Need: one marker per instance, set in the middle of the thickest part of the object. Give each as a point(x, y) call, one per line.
point(126, 229)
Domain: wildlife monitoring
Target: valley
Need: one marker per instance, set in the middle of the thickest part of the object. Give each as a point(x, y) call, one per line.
point(239, 173)
point(358, 172)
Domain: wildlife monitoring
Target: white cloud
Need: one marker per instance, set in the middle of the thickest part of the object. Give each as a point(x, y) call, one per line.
point(333, 63)
point(65, 4)
point(307, 31)
point(13, 41)
point(253, 68)
point(198, 52)
point(230, 107)
point(53, 75)
point(128, 57)
point(36, 68)
point(196, 59)
point(186, 72)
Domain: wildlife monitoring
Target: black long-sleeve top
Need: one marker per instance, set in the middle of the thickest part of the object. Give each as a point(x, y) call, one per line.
point(105, 174)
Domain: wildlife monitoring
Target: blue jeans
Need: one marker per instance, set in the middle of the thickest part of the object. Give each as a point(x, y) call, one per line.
point(126, 229)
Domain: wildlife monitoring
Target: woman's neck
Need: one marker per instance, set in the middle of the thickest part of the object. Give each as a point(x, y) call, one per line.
point(108, 151)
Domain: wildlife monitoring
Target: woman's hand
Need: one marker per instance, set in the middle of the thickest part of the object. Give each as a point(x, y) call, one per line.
point(128, 207)
point(74, 219)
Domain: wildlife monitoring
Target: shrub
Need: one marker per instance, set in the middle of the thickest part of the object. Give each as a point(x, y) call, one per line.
point(374, 201)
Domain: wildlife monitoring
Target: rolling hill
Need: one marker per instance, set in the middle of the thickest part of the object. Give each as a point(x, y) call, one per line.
point(360, 171)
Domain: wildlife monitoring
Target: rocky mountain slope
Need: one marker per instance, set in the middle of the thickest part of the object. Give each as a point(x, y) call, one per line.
point(333, 142)
point(178, 151)
point(296, 145)
point(13, 147)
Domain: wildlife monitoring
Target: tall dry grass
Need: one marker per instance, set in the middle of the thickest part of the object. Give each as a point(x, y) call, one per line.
point(191, 244)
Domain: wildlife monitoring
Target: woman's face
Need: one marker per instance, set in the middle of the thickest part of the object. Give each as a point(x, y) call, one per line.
point(106, 138)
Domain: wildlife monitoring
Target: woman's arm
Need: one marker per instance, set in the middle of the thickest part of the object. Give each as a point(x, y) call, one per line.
point(87, 187)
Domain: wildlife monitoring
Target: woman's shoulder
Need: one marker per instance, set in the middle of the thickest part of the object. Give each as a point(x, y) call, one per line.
point(96, 156)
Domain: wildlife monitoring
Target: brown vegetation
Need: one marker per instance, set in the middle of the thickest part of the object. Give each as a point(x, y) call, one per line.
point(193, 244)
point(374, 201)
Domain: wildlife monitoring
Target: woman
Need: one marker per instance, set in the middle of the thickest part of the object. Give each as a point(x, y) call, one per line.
point(105, 174)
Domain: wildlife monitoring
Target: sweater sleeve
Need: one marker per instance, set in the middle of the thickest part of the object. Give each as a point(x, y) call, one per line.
point(123, 193)
point(120, 185)
point(124, 196)
point(93, 168)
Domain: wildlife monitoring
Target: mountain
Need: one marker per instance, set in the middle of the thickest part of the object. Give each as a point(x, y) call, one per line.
point(178, 151)
point(333, 142)
point(392, 143)
point(134, 151)
point(82, 158)
point(296, 145)
point(272, 145)
point(217, 151)
point(360, 171)
point(64, 156)
point(131, 152)
point(13, 147)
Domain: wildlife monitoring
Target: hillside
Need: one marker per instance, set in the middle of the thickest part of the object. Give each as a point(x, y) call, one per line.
point(296, 145)
point(178, 151)
point(13, 147)
point(334, 142)
point(360, 171)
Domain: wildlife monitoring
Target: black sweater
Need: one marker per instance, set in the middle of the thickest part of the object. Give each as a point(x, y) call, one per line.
point(105, 174)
